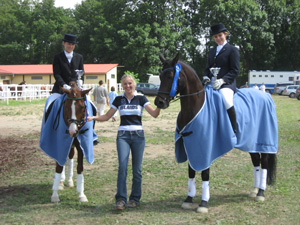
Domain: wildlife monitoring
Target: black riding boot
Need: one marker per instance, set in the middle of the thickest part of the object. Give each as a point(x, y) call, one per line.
point(232, 117)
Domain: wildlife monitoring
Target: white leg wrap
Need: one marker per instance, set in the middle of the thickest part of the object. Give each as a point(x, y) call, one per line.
point(80, 183)
point(263, 179)
point(256, 176)
point(55, 187)
point(70, 168)
point(57, 178)
point(70, 173)
point(192, 187)
point(205, 191)
point(63, 175)
point(80, 188)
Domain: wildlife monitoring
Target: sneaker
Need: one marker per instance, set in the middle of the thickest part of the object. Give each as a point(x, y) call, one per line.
point(132, 204)
point(120, 205)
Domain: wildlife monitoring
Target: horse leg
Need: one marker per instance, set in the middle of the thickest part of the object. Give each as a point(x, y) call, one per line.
point(70, 182)
point(80, 178)
point(188, 202)
point(203, 207)
point(55, 187)
point(268, 174)
point(255, 158)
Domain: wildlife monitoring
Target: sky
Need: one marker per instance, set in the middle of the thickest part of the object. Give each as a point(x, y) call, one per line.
point(67, 3)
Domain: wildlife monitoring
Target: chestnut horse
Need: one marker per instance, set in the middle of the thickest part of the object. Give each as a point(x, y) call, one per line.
point(19, 89)
point(59, 136)
point(179, 78)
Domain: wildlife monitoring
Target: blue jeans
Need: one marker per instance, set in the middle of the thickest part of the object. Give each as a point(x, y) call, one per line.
point(126, 140)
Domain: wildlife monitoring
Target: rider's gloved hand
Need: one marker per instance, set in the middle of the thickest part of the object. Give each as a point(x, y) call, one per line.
point(206, 80)
point(79, 83)
point(65, 86)
point(218, 83)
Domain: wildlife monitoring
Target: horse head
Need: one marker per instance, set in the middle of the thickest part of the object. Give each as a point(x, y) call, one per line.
point(178, 77)
point(166, 80)
point(74, 108)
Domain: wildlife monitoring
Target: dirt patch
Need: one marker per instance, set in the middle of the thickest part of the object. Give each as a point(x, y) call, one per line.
point(16, 153)
point(20, 132)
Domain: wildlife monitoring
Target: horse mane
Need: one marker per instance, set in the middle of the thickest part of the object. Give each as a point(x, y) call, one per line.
point(190, 68)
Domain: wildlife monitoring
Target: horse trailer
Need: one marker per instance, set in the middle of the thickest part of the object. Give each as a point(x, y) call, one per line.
point(271, 78)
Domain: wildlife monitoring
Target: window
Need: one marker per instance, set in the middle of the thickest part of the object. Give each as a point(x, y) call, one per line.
point(254, 75)
point(113, 76)
point(281, 76)
point(2, 77)
point(291, 79)
point(266, 75)
point(260, 75)
point(91, 77)
point(272, 75)
point(37, 78)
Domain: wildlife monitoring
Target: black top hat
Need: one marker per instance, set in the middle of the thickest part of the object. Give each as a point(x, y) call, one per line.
point(215, 29)
point(71, 38)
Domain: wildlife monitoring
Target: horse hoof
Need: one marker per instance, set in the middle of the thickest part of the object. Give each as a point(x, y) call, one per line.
point(83, 199)
point(253, 193)
point(260, 198)
point(54, 199)
point(70, 183)
point(188, 205)
point(201, 209)
point(61, 186)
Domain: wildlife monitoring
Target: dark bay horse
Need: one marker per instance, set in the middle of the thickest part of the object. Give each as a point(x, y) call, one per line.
point(179, 78)
point(73, 108)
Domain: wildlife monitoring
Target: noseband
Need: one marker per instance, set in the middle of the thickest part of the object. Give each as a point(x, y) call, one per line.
point(79, 123)
point(174, 88)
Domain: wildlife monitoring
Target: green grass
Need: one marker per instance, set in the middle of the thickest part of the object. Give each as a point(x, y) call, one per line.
point(25, 195)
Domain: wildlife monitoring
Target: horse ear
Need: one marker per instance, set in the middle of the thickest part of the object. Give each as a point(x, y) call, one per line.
point(84, 92)
point(176, 59)
point(162, 58)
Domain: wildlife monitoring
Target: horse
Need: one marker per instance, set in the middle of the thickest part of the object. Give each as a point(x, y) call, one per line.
point(19, 89)
point(178, 77)
point(68, 132)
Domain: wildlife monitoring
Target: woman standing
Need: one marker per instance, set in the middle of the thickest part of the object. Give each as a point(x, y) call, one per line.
point(226, 57)
point(130, 137)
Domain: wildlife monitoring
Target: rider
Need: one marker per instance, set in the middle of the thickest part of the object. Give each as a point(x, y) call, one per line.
point(65, 65)
point(226, 57)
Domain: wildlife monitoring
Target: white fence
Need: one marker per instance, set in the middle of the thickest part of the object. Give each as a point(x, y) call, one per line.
point(34, 91)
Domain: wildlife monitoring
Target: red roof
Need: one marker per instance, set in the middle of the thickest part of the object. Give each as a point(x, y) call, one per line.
point(47, 69)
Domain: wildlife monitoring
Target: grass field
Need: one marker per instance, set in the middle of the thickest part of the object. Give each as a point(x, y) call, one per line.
point(25, 193)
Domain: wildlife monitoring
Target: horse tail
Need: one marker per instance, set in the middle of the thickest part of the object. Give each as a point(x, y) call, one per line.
point(272, 164)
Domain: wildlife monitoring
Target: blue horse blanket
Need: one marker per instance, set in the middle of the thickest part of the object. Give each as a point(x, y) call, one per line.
point(56, 142)
point(209, 135)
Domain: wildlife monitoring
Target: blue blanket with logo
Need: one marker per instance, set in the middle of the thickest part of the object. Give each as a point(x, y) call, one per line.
point(56, 142)
point(210, 135)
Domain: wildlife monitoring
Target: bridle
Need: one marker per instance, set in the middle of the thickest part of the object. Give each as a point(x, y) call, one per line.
point(79, 123)
point(172, 95)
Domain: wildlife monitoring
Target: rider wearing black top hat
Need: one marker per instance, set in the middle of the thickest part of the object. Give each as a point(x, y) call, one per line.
point(227, 58)
point(65, 64)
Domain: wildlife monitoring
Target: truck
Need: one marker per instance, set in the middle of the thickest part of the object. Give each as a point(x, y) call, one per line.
point(270, 78)
point(154, 79)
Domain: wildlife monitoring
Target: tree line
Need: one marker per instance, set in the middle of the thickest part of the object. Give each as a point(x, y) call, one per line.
point(133, 33)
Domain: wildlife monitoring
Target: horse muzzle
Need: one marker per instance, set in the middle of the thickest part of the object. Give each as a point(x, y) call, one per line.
point(161, 103)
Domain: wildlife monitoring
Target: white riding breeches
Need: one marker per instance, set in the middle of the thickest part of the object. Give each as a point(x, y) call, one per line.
point(227, 94)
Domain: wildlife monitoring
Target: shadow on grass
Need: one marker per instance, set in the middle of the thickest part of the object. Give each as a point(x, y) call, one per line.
point(28, 197)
